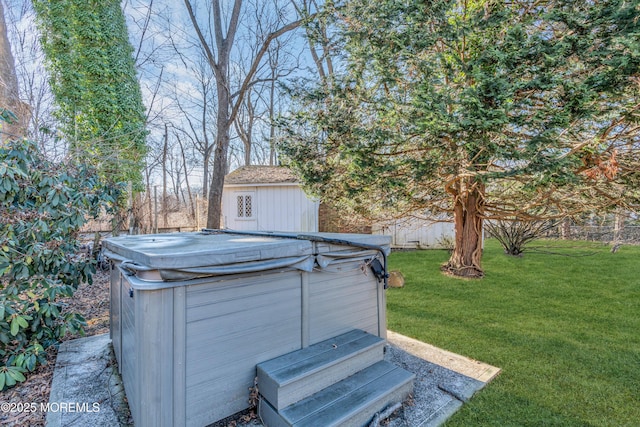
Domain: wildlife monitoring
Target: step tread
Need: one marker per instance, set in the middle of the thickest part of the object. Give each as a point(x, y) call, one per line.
point(342, 400)
point(298, 364)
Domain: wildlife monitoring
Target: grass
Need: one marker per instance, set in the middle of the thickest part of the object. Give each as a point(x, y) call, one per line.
point(562, 322)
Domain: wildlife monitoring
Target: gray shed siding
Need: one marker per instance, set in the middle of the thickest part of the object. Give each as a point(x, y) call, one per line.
point(282, 207)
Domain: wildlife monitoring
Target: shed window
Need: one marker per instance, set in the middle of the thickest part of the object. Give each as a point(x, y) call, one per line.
point(245, 209)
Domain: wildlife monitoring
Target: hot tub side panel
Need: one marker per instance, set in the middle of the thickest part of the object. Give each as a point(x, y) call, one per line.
point(115, 319)
point(148, 355)
point(127, 347)
point(155, 344)
point(344, 298)
point(231, 326)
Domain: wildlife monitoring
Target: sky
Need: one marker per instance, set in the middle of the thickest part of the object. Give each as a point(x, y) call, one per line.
point(169, 59)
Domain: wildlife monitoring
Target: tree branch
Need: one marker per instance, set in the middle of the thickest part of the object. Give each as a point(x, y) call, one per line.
point(205, 46)
point(254, 66)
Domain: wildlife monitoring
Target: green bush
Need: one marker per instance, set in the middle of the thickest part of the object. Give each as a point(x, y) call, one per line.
point(42, 207)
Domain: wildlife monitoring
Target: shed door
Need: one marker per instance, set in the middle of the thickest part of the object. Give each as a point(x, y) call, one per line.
point(244, 212)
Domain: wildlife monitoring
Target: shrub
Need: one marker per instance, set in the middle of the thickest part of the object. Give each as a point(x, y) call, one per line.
point(42, 207)
point(514, 235)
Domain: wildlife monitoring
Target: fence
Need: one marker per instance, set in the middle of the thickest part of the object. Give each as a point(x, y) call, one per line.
point(150, 214)
point(627, 234)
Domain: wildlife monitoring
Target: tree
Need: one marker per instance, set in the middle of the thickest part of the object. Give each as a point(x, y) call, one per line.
point(197, 113)
point(35, 107)
point(255, 123)
point(481, 109)
point(217, 50)
point(8, 78)
point(320, 44)
point(93, 79)
point(9, 93)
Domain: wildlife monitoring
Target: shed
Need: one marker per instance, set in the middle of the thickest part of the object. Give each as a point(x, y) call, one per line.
point(411, 232)
point(271, 198)
point(267, 198)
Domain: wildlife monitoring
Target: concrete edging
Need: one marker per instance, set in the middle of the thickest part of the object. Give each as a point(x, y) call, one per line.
point(86, 388)
point(86, 375)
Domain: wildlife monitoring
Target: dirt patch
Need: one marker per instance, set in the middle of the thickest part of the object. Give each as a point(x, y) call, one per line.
point(25, 399)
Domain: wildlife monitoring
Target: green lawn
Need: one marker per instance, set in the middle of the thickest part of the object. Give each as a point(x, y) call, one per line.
point(564, 327)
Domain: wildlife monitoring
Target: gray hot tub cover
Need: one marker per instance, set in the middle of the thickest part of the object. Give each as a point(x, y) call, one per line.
point(186, 256)
point(304, 263)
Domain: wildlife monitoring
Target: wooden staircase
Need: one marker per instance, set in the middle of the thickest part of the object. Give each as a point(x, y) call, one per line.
point(343, 381)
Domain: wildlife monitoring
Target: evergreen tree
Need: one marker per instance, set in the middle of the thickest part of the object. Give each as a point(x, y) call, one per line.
point(480, 108)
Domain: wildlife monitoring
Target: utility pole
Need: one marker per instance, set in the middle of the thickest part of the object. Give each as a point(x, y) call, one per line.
point(155, 203)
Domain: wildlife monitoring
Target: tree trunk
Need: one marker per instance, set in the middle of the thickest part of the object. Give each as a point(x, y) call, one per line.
point(223, 124)
point(8, 77)
point(214, 214)
point(9, 98)
point(205, 172)
point(247, 154)
point(149, 228)
point(467, 253)
point(272, 114)
point(186, 180)
point(618, 225)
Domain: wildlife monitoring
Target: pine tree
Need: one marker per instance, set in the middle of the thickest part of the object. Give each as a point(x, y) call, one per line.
point(482, 109)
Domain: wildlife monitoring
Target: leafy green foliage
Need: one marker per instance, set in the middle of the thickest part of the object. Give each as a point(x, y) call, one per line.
point(7, 116)
point(504, 109)
point(42, 207)
point(93, 78)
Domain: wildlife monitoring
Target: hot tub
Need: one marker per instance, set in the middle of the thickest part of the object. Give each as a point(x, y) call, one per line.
point(193, 313)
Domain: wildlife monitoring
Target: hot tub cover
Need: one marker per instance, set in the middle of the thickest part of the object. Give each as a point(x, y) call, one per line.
point(184, 256)
point(180, 256)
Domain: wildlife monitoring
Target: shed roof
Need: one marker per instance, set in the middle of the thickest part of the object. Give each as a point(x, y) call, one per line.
point(257, 174)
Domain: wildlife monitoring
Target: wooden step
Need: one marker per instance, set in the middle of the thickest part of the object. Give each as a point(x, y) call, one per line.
point(353, 401)
point(294, 376)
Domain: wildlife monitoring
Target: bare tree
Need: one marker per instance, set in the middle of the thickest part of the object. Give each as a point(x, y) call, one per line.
point(320, 44)
point(217, 42)
point(197, 112)
point(9, 89)
point(254, 123)
point(165, 155)
point(245, 123)
point(151, 32)
point(186, 174)
point(35, 105)
point(274, 56)
point(8, 78)
point(282, 62)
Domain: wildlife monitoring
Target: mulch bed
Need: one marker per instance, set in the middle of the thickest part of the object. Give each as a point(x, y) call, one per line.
point(92, 301)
